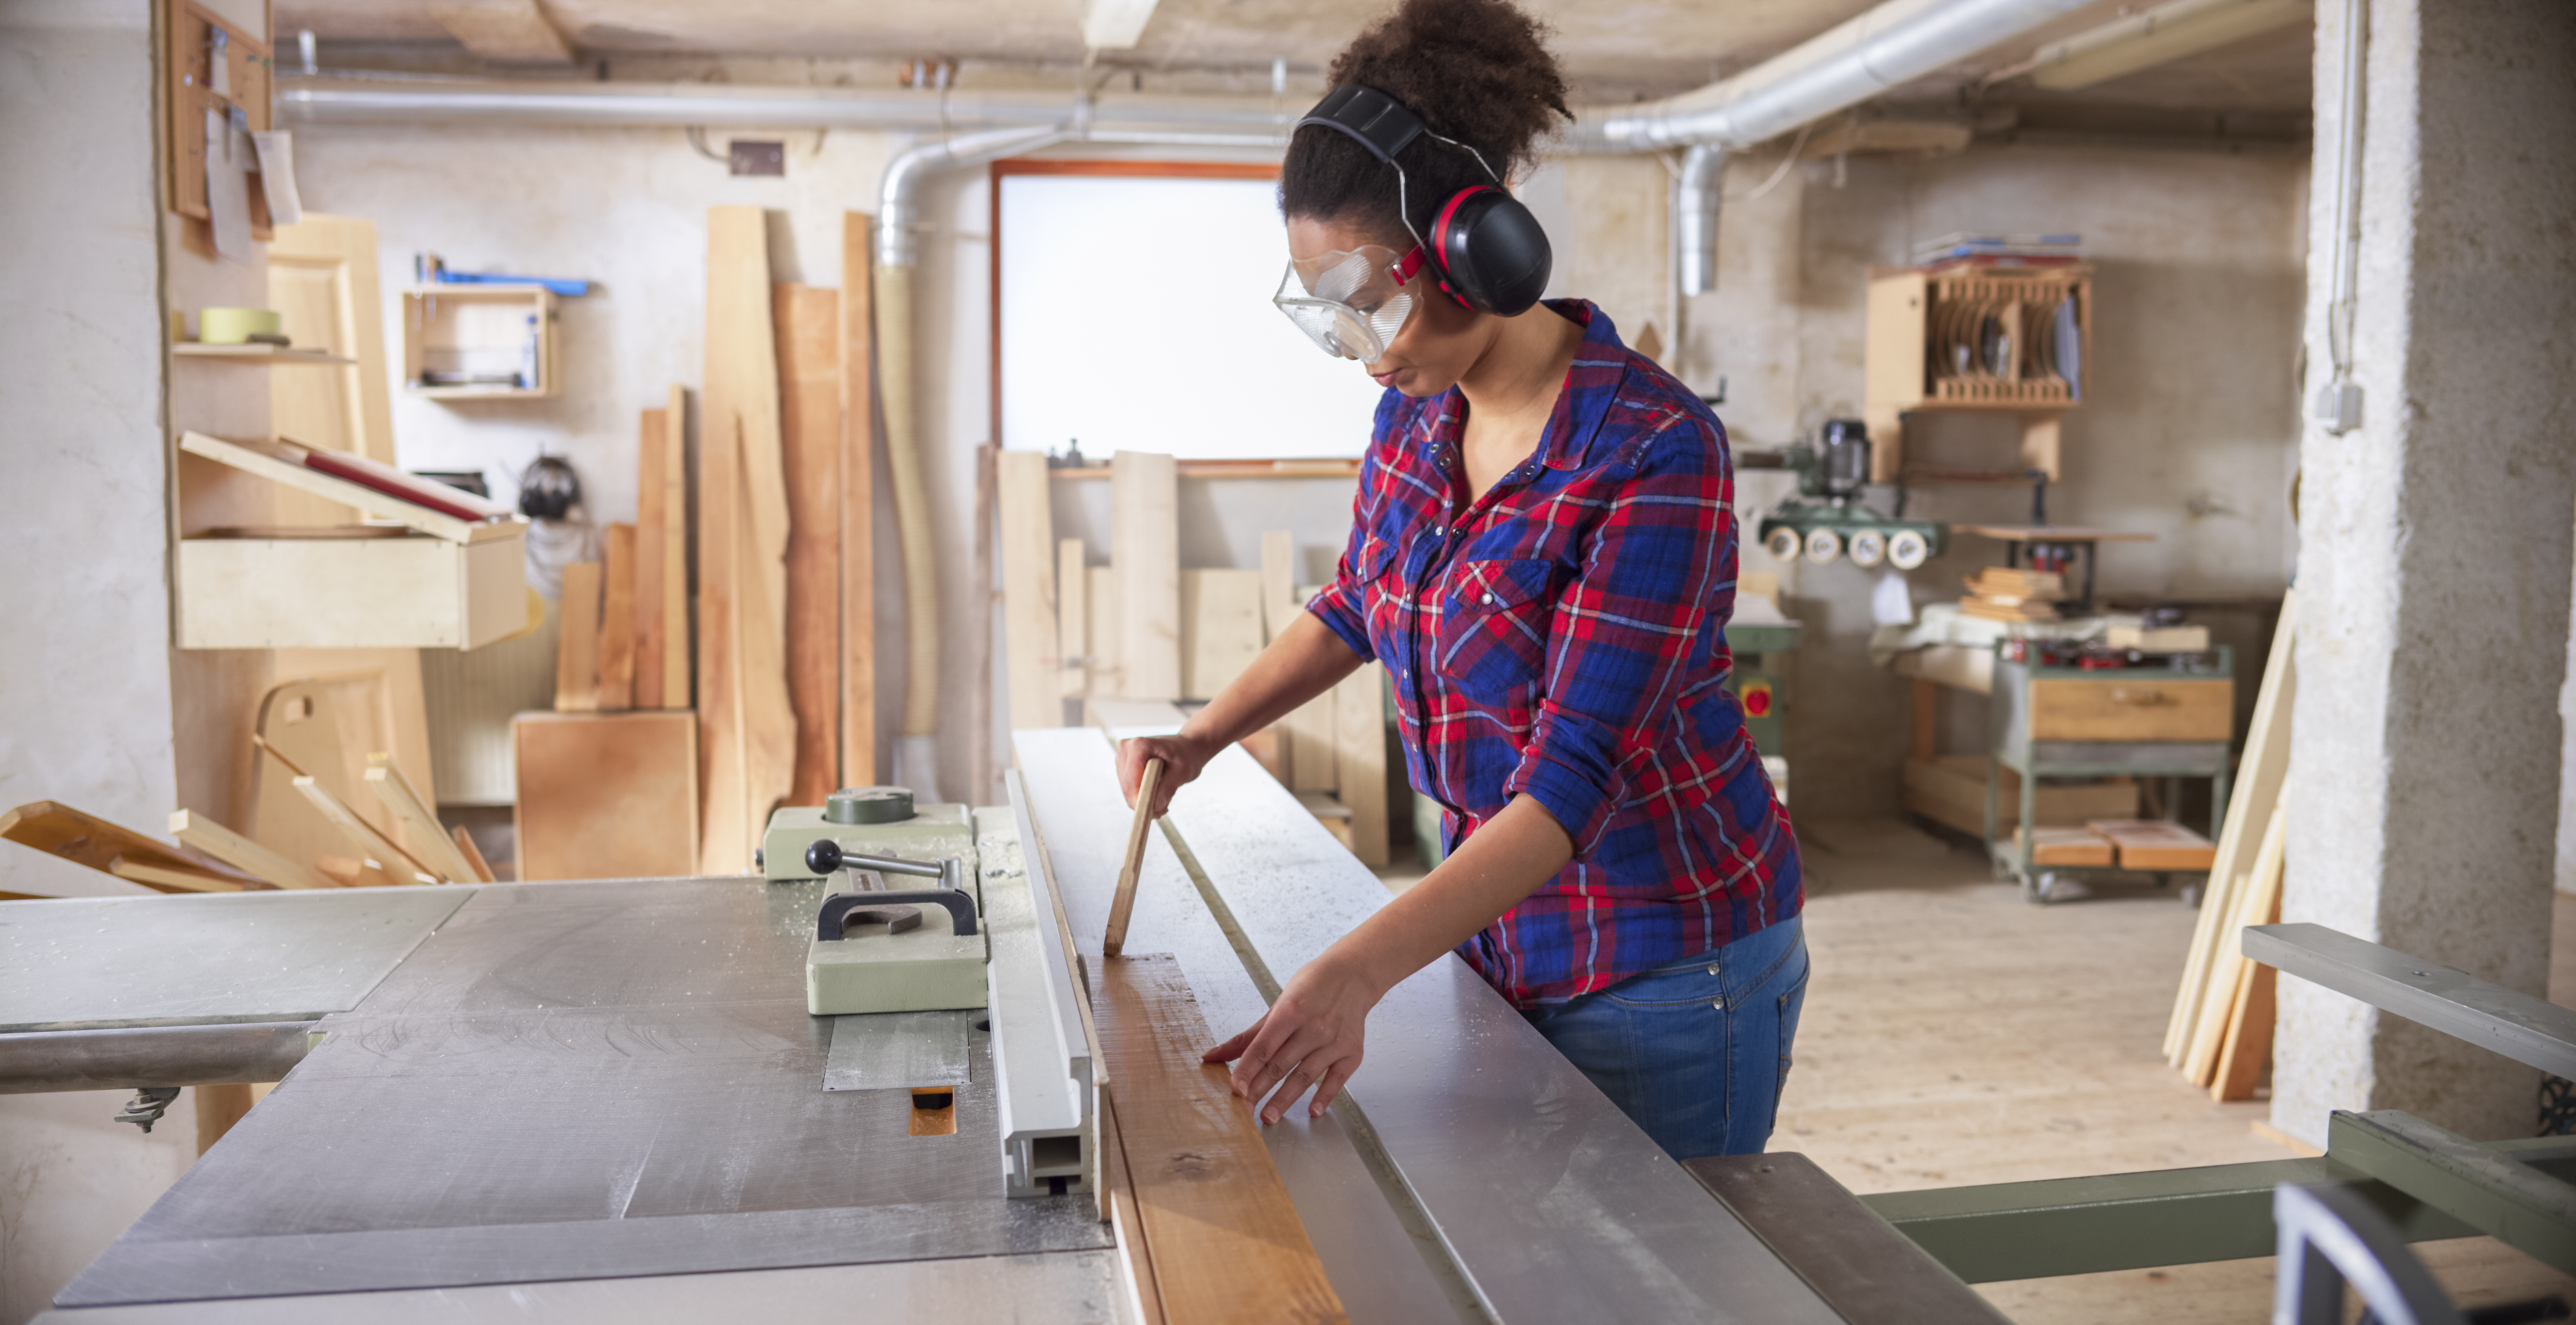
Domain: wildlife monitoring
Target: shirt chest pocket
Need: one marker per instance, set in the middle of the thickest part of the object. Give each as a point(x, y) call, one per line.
point(1492, 636)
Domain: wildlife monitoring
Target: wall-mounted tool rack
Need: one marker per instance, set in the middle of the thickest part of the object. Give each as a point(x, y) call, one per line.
point(1975, 339)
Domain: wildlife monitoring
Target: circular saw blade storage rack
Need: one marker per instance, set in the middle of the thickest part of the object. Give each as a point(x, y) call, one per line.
point(1975, 339)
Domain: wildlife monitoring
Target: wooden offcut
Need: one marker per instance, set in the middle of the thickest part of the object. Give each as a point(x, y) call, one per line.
point(2154, 844)
point(2066, 846)
point(1359, 738)
point(1146, 553)
point(811, 437)
point(1220, 628)
point(676, 651)
point(617, 620)
point(85, 839)
point(1220, 1232)
point(2258, 898)
point(606, 796)
point(362, 836)
point(164, 879)
point(652, 531)
point(2245, 1048)
point(858, 506)
point(203, 834)
point(473, 854)
point(428, 839)
point(1029, 626)
point(577, 648)
point(1073, 617)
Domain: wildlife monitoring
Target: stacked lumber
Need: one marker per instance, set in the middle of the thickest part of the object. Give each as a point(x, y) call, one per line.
point(2220, 1033)
point(1999, 593)
point(1102, 635)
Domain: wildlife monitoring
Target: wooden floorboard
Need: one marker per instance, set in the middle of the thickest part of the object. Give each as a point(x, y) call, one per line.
point(1223, 1239)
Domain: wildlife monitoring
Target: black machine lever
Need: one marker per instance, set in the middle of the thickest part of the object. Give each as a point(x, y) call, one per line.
point(826, 855)
point(838, 907)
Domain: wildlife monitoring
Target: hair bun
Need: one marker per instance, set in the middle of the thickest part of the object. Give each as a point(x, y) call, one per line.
point(1478, 71)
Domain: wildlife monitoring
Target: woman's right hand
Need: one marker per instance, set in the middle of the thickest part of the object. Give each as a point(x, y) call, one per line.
point(1182, 755)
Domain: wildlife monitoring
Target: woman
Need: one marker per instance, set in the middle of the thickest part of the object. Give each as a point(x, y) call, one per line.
point(1543, 555)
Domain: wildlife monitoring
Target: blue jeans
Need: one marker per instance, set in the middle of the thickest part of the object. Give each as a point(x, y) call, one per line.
point(1695, 1052)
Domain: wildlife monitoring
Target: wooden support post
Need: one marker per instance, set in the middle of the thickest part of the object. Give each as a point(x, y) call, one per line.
point(1031, 659)
point(858, 506)
point(1222, 1237)
point(1146, 534)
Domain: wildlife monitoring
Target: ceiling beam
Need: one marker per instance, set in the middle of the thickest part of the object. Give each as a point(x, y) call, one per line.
point(503, 31)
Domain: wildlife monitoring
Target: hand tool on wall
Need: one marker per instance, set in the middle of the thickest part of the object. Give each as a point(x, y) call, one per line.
point(1124, 900)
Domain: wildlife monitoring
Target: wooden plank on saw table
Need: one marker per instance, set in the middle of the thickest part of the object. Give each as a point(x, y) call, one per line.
point(1146, 553)
point(809, 411)
point(577, 649)
point(1029, 627)
point(1222, 1236)
point(652, 531)
point(617, 620)
point(858, 506)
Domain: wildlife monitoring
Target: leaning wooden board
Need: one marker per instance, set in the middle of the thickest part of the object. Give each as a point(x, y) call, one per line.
point(808, 323)
point(606, 796)
point(1220, 1233)
point(86, 839)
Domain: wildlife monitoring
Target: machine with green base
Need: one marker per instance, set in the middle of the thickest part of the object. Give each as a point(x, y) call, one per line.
point(874, 948)
point(1827, 521)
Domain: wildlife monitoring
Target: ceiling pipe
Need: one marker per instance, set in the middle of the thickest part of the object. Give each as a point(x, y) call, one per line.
point(1697, 193)
point(413, 100)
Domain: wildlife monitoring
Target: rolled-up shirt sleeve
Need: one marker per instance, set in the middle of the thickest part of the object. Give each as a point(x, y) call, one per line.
point(1659, 563)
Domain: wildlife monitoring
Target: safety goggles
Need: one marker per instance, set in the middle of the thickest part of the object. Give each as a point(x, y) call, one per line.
point(1350, 303)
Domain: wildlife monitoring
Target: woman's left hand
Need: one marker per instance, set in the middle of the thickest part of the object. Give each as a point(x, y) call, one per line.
point(1310, 1037)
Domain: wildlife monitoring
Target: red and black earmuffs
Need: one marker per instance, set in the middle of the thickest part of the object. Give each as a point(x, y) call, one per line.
point(1486, 249)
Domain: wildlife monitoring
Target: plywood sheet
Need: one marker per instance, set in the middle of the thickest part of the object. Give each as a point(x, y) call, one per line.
point(606, 796)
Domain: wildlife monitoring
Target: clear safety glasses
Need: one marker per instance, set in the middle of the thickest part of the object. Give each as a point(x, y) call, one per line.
point(1350, 303)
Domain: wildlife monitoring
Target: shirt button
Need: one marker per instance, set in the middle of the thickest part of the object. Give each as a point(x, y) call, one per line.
point(1489, 600)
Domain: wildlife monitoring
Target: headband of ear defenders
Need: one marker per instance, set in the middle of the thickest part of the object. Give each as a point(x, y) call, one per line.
point(1489, 252)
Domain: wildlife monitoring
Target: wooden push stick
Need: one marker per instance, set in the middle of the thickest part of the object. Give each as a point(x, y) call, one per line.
point(1124, 900)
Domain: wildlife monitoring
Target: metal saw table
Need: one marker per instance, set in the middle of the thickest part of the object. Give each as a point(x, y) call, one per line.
point(603, 1101)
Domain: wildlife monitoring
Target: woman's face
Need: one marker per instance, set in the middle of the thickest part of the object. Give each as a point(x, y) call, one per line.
point(1442, 338)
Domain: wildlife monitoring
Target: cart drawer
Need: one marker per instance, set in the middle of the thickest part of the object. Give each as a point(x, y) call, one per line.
point(2115, 709)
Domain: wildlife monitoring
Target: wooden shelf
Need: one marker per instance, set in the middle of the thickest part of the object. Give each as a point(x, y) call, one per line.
point(1920, 323)
point(483, 330)
point(1232, 469)
point(257, 353)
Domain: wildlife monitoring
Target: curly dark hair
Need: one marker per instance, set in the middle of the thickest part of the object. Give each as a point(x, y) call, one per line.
point(1478, 71)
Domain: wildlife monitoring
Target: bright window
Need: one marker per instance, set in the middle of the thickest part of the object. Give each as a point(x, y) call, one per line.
point(1135, 315)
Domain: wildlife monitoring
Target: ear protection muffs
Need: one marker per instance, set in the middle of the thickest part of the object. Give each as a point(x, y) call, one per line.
point(1488, 252)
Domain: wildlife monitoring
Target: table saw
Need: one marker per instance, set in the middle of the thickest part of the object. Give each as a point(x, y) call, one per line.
point(609, 1101)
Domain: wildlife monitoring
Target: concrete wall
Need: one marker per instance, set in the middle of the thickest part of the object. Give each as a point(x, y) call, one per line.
point(2188, 430)
point(86, 706)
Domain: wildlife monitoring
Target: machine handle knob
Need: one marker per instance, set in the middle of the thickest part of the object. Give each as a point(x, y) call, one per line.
point(826, 855)
point(837, 908)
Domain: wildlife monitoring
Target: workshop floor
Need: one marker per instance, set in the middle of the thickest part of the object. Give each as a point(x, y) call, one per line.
point(1955, 1034)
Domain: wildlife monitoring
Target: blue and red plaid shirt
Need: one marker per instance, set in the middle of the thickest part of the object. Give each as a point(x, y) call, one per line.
point(1563, 637)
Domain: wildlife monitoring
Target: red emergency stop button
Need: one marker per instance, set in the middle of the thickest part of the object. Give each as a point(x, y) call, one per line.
point(1757, 699)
